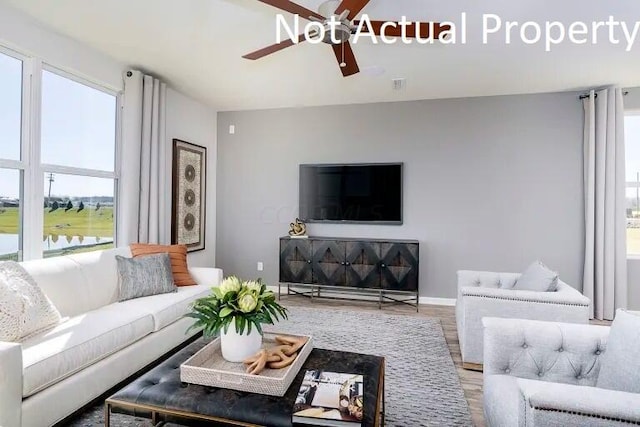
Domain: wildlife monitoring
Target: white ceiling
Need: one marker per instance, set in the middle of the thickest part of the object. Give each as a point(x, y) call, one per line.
point(196, 45)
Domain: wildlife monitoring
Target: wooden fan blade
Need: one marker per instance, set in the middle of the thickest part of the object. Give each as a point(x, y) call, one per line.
point(349, 58)
point(425, 29)
point(272, 49)
point(353, 6)
point(291, 7)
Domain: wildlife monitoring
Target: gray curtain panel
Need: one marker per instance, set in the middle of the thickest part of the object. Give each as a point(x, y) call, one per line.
point(605, 263)
point(146, 169)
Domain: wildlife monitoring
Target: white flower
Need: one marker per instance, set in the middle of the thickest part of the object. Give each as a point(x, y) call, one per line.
point(253, 285)
point(247, 302)
point(230, 284)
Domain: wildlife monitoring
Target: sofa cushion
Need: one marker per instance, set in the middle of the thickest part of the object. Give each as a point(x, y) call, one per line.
point(620, 365)
point(167, 308)
point(537, 277)
point(100, 269)
point(146, 276)
point(79, 342)
point(60, 277)
point(24, 308)
point(90, 277)
point(178, 254)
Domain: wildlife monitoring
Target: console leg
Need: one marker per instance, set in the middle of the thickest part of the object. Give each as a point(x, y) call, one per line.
point(279, 293)
point(107, 415)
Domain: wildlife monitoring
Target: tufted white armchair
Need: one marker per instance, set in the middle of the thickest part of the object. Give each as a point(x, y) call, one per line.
point(544, 374)
point(488, 294)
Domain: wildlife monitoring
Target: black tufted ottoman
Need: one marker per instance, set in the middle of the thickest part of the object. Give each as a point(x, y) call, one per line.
point(161, 396)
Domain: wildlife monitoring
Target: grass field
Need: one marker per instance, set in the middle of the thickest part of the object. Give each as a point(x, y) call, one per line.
point(88, 223)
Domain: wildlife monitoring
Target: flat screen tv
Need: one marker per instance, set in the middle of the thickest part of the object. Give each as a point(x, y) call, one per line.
point(351, 193)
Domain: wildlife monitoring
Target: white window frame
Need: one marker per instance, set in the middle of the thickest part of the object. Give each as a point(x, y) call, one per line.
point(33, 170)
point(22, 165)
point(631, 184)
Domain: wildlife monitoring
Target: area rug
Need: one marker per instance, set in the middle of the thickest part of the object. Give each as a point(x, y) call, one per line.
point(422, 387)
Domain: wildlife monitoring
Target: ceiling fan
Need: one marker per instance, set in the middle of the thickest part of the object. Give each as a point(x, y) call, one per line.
point(345, 12)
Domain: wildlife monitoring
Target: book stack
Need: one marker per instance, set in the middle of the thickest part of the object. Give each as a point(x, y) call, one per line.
point(329, 399)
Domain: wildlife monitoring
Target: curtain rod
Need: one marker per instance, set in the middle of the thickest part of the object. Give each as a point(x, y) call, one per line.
point(586, 95)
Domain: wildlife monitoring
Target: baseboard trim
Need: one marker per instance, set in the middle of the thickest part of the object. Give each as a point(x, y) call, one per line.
point(449, 302)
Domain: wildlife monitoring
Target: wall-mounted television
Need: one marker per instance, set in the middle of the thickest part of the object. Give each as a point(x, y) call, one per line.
point(351, 193)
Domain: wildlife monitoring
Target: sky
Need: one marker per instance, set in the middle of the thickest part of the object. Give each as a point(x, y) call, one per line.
point(78, 129)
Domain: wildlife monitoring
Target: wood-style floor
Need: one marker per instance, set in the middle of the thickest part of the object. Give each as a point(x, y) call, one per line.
point(471, 380)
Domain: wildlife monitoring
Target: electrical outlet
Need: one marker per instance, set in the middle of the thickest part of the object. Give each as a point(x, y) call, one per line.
point(232, 129)
point(260, 266)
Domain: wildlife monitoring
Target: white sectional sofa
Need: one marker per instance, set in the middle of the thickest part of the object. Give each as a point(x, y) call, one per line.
point(99, 343)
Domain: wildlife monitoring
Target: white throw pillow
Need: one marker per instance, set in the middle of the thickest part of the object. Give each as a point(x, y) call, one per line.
point(24, 309)
point(537, 277)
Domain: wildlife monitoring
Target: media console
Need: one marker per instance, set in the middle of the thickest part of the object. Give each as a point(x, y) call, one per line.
point(385, 269)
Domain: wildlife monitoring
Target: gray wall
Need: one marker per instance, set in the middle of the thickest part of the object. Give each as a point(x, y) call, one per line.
point(489, 183)
point(632, 100)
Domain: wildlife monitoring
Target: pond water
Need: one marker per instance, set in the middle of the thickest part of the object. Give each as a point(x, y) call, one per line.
point(9, 242)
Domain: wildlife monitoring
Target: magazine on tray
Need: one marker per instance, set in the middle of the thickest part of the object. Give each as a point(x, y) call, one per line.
point(329, 399)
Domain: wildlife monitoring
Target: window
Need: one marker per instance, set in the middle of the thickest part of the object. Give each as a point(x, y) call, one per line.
point(78, 215)
point(10, 215)
point(632, 156)
point(10, 157)
point(57, 182)
point(78, 124)
point(78, 141)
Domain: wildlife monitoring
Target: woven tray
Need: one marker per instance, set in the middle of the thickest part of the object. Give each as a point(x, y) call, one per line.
point(208, 367)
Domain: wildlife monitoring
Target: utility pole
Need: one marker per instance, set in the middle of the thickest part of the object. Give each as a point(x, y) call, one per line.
point(51, 179)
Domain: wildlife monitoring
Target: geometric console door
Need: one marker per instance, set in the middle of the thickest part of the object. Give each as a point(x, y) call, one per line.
point(387, 269)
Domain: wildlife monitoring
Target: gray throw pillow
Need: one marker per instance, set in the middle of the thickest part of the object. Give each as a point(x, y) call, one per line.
point(537, 277)
point(620, 363)
point(144, 276)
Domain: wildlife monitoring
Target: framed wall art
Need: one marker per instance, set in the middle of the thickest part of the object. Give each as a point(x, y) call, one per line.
point(188, 195)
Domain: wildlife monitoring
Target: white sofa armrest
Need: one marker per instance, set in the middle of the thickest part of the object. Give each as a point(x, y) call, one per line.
point(565, 295)
point(554, 404)
point(546, 351)
point(10, 384)
point(206, 276)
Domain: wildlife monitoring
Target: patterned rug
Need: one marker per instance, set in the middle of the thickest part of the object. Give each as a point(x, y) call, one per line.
point(421, 382)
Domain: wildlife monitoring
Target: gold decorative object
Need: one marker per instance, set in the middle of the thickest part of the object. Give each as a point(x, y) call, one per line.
point(277, 357)
point(298, 228)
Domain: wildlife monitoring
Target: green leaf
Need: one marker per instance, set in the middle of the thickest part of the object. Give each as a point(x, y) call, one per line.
point(237, 324)
point(226, 311)
point(243, 323)
point(258, 327)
